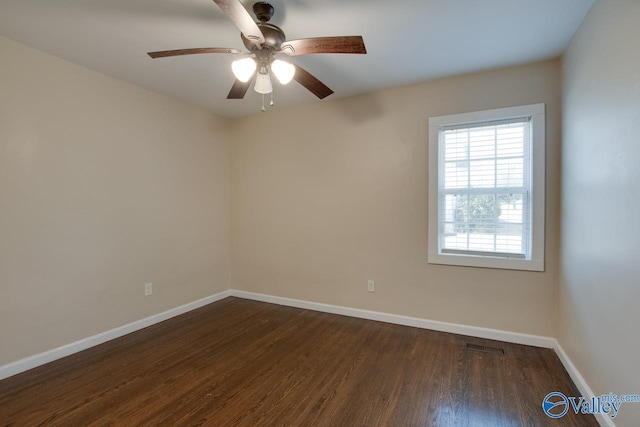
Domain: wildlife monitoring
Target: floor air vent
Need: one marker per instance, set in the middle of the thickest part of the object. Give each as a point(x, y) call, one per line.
point(485, 349)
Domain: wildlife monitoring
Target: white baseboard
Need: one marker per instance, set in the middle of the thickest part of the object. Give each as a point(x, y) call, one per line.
point(31, 362)
point(580, 382)
point(474, 331)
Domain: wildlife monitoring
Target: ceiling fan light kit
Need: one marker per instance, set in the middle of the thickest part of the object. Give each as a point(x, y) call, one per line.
point(263, 83)
point(243, 69)
point(264, 41)
point(284, 71)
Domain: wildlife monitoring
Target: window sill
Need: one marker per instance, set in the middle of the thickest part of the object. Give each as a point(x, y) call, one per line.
point(486, 262)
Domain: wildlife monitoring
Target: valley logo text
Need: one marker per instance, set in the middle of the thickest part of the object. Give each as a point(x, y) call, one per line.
point(556, 404)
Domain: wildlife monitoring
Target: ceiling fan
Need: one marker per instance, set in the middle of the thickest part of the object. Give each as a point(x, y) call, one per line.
point(264, 41)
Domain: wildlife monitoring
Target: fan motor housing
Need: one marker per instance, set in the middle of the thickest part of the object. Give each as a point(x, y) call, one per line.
point(273, 37)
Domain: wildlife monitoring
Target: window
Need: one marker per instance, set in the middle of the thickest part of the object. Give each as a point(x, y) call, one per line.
point(486, 188)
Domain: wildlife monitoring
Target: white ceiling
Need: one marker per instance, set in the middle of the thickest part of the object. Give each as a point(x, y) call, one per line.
point(408, 41)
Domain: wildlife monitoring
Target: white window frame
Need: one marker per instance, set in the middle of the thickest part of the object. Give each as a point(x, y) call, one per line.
point(534, 261)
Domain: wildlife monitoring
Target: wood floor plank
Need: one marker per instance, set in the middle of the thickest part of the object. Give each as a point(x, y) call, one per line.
point(243, 363)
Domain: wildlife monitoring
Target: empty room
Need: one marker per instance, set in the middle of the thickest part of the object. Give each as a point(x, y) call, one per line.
point(319, 213)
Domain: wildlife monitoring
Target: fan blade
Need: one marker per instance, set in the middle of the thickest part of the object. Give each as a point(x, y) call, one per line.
point(239, 15)
point(179, 52)
point(239, 89)
point(347, 44)
point(314, 85)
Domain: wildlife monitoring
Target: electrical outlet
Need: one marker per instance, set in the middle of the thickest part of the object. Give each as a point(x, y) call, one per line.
point(148, 289)
point(371, 286)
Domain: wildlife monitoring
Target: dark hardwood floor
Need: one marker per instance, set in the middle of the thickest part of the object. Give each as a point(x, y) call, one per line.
point(245, 363)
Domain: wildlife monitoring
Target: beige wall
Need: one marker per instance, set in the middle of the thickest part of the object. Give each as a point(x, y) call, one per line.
point(103, 186)
point(327, 196)
point(600, 275)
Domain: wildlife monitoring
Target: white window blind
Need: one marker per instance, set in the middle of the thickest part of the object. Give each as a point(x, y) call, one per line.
point(484, 188)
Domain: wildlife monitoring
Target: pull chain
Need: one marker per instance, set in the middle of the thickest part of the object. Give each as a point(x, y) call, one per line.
point(263, 109)
point(271, 104)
